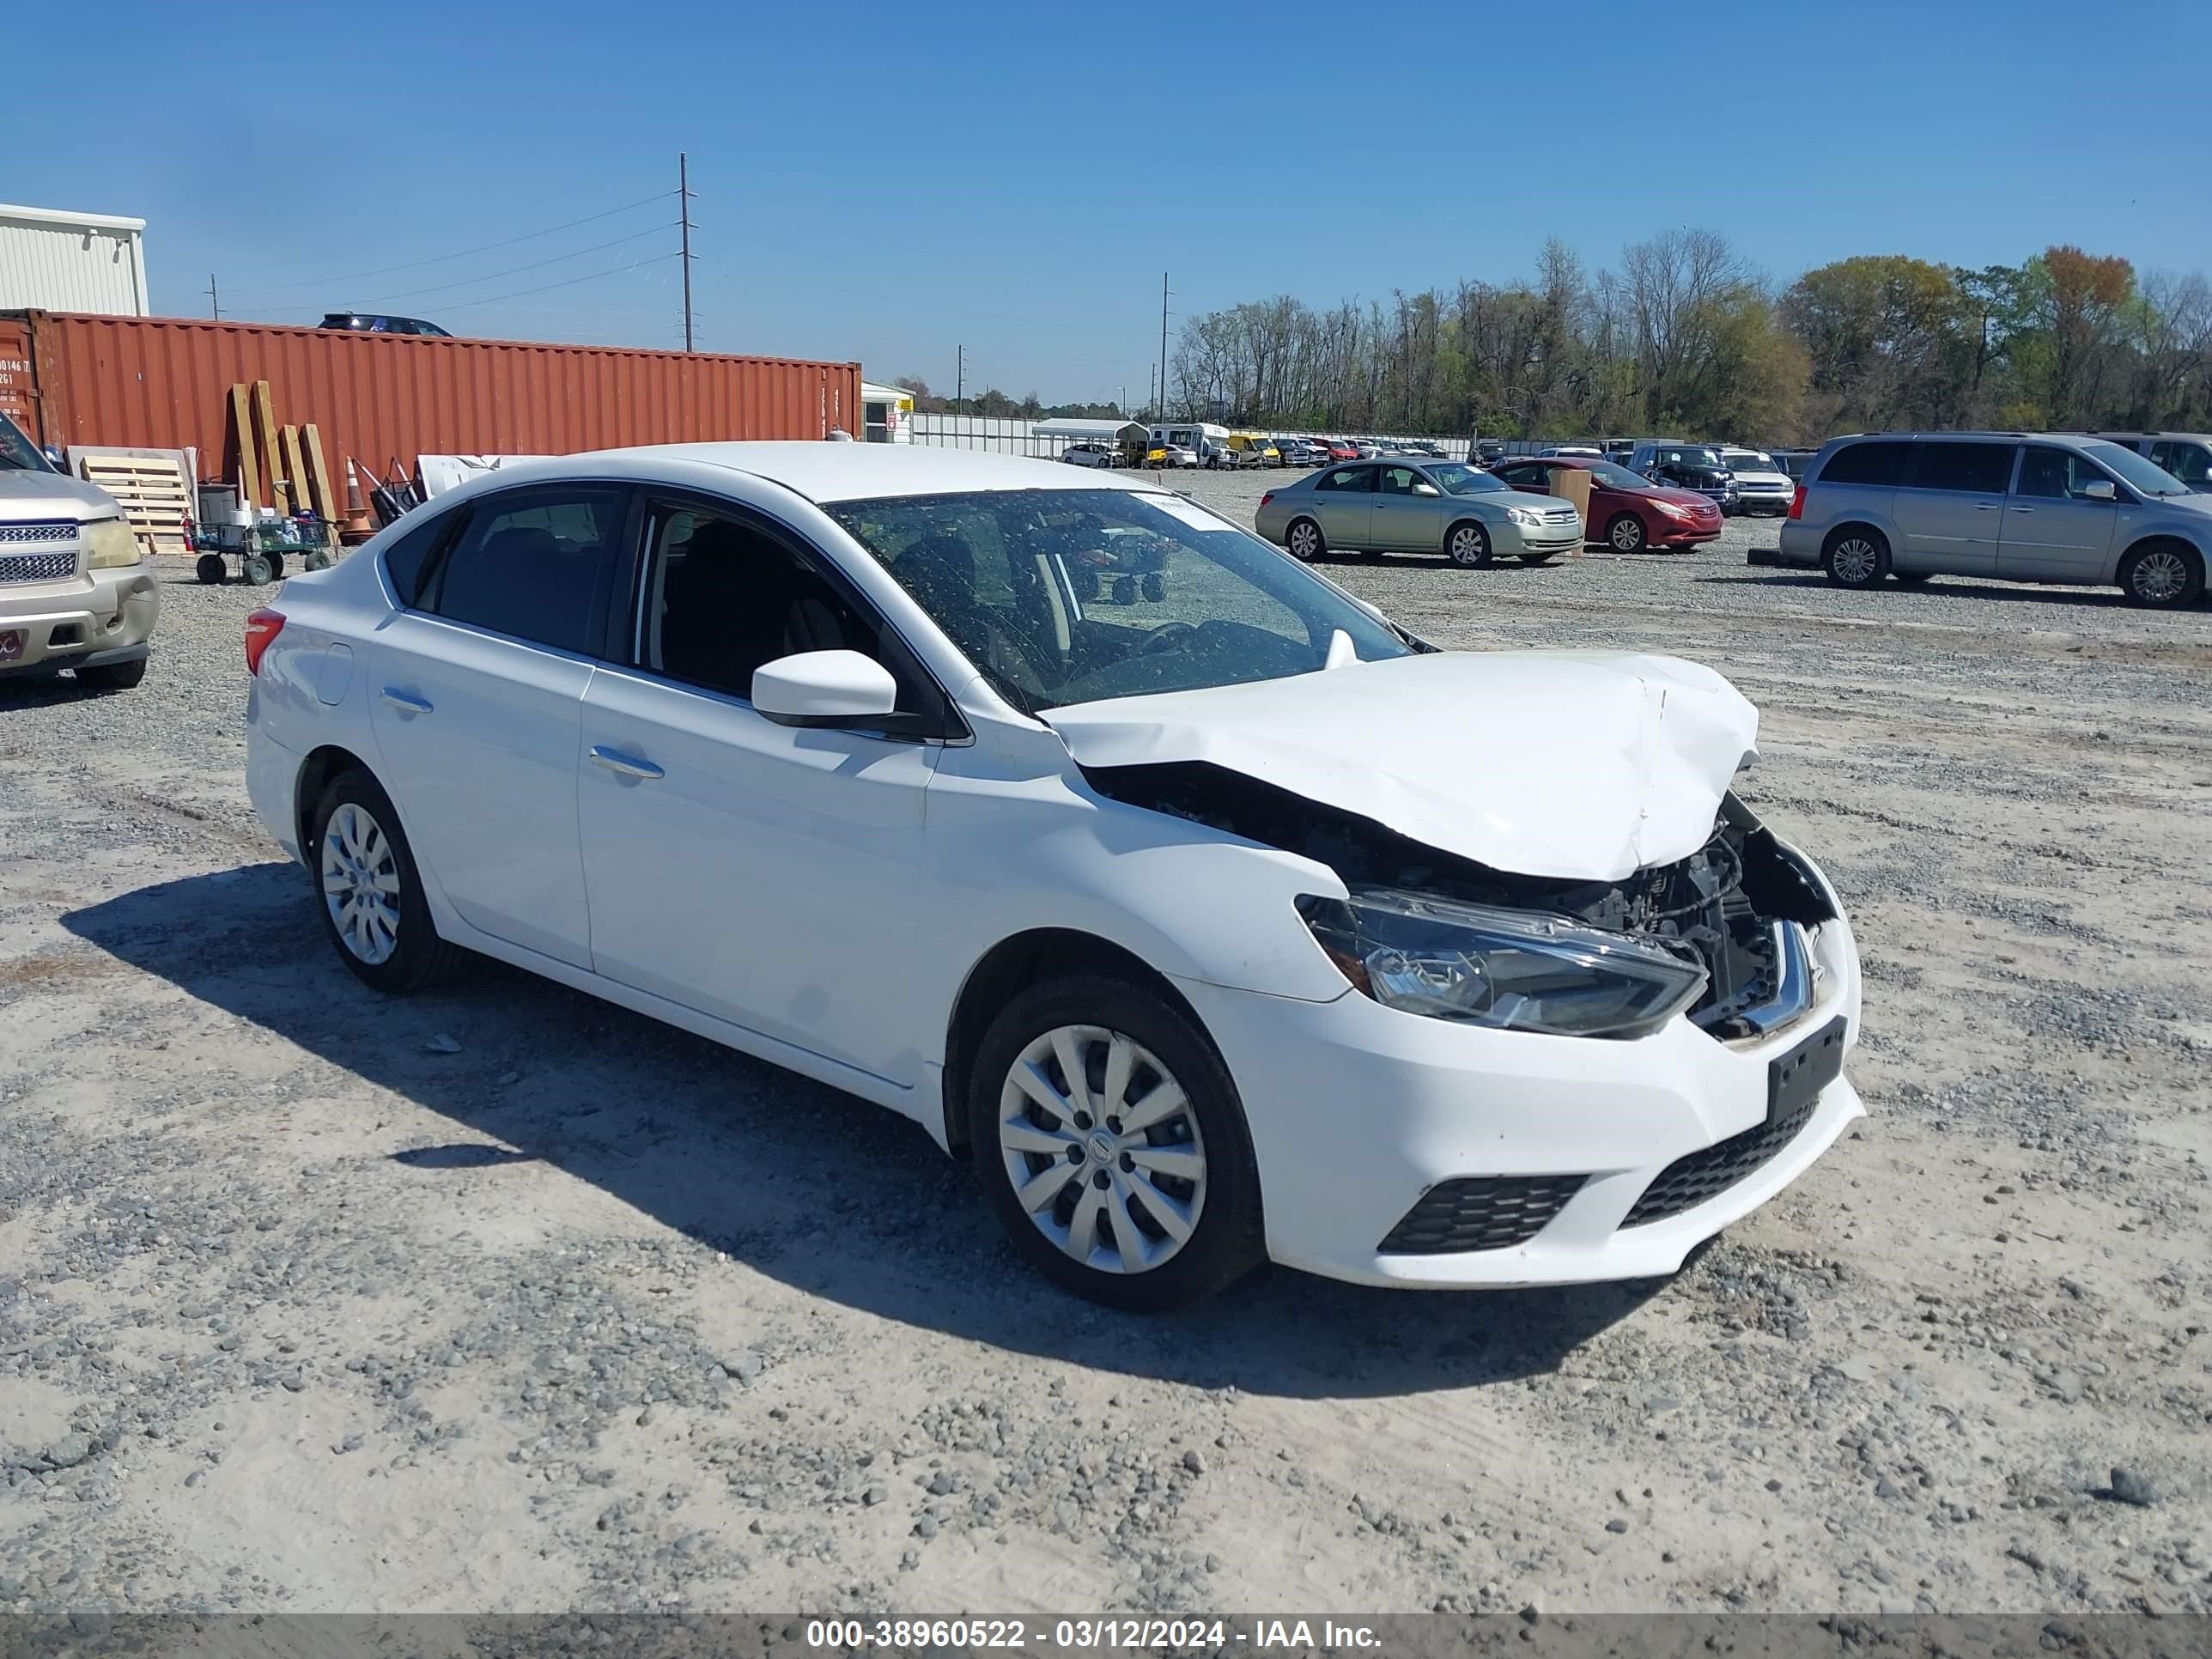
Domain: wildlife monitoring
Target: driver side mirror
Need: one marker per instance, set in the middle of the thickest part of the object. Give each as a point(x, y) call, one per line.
point(825, 689)
point(2100, 490)
point(1426, 489)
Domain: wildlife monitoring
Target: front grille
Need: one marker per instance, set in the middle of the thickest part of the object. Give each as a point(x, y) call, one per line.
point(1560, 515)
point(15, 535)
point(36, 567)
point(1480, 1214)
point(1689, 1182)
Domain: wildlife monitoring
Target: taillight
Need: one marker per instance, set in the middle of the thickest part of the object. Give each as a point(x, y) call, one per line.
point(261, 630)
point(1268, 496)
point(1797, 502)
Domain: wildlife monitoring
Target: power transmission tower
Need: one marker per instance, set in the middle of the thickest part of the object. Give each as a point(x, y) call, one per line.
point(1164, 345)
point(214, 303)
point(960, 374)
point(684, 221)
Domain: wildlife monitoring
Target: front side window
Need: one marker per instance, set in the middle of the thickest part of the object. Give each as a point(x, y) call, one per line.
point(1398, 480)
point(1976, 469)
point(2055, 474)
point(2192, 463)
point(1062, 597)
point(1614, 477)
point(537, 564)
point(1457, 479)
point(1348, 480)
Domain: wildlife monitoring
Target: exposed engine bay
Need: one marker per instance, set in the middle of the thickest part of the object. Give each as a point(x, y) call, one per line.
point(1720, 908)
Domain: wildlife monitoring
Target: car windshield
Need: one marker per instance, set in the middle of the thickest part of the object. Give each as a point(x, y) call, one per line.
point(1690, 455)
point(1746, 460)
point(17, 452)
point(2146, 477)
point(1067, 596)
point(1616, 478)
point(1458, 479)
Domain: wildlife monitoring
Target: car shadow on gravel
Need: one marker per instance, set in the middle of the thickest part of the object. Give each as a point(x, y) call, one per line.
point(1943, 588)
point(818, 1189)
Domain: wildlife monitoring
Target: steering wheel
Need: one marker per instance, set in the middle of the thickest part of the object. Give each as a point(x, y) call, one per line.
point(1169, 632)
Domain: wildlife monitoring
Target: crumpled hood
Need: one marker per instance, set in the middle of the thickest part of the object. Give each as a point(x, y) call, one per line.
point(1584, 766)
point(27, 496)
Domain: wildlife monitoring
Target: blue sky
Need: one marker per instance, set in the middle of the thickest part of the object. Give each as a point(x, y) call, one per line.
point(890, 182)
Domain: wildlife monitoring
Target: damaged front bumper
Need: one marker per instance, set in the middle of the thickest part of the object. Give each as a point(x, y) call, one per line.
point(1386, 1141)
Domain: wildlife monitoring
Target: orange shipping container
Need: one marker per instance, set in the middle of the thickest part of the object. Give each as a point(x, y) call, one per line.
point(163, 383)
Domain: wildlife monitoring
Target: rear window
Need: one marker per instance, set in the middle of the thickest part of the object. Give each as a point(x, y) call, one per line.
point(1877, 462)
point(404, 561)
point(1979, 469)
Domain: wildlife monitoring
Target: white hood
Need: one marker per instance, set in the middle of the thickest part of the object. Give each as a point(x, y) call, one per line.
point(26, 496)
point(1586, 766)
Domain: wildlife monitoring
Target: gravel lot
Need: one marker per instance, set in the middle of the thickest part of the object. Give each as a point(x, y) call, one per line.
point(504, 1299)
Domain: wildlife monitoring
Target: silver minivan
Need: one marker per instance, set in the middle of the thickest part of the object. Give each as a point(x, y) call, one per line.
point(2015, 506)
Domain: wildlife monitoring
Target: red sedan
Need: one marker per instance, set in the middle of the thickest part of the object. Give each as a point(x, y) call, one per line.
point(1627, 513)
point(1342, 449)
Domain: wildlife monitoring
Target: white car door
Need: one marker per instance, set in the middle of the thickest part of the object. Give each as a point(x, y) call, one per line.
point(477, 690)
point(757, 872)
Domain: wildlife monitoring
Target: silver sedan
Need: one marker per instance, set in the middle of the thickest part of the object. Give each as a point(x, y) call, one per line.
point(1418, 506)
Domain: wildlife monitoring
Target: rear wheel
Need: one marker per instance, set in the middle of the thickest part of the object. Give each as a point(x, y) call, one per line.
point(371, 892)
point(1305, 540)
point(1108, 1139)
point(1467, 545)
point(1624, 534)
point(1855, 556)
point(2162, 576)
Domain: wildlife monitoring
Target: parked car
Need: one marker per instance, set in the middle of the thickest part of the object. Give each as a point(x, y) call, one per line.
point(1090, 454)
point(1686, 466)
point(2019, 507)
point(811, 749)
point(1416, 506)
point(1793, 462)
point(76, 589)
point(2187, 455)
point(1243, 450)
point(1761, 486)
point(1341, 449)
point(1627, 512)
point(1170, 455)
point(1303, 452)
point(1588, 452)
point(1487, 451)
point(369, 322)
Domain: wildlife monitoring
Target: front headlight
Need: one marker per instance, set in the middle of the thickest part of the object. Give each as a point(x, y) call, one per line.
point(1526, 516)
point(1509, 970)
point(109, 543)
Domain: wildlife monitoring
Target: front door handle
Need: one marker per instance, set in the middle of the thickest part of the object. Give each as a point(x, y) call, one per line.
point(2023, 509)
point(1989, 506)
point(406, 702)
point(621, 765)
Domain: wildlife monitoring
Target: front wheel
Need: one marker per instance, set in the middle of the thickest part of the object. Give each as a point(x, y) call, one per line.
point(371, 891)
point(1305, 541)
point(1109, 1141)
point(2163, 576)
point(1625, 534)
point(1468, 545)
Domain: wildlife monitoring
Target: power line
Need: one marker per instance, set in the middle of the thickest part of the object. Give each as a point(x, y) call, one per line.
point(617, 270)
point(536, 264)
point(436, 259)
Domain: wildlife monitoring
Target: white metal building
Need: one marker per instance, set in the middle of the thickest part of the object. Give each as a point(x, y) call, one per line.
point(889, 411)
point(51, 260)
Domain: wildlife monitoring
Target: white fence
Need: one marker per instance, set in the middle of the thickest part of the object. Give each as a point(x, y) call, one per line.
point(1009, 437)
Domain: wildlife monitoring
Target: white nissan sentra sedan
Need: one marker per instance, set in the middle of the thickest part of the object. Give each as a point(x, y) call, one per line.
point(1210, 915)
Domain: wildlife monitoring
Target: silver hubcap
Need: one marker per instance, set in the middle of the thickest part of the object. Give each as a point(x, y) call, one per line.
point(1466, 546)
point(361, 885)
point(1102, 1149)
point(2160, 576)
point(1305, 540)
point(1855, 561)
point(1627, 535)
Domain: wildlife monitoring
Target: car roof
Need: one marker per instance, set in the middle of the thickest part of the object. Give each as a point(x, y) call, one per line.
point(847, 472)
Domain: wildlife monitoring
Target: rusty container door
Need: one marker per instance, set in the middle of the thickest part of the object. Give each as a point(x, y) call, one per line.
point(19, 394)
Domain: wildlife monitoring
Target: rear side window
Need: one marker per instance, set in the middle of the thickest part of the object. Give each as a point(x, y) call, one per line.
point(1981, 469)
point(1347, 479)
point(407, 555)
point(2192, 463)
point(1878, 463)
point(537, 564)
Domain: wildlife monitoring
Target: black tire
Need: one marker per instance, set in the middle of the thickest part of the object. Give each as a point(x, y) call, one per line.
point(2162, 576)
point(318, 560)
point(1306, 547)
point(1855, 556)
point(276, 563)
point(419, 957)
point(1466, 544)
point(1625, 533)
point(1227, 1241)
point(258, 571)
point(112, 677)
point(209, 567)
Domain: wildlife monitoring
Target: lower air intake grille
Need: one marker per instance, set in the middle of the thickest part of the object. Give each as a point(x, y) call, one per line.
point(1689, 1182)
point(1487, 1213)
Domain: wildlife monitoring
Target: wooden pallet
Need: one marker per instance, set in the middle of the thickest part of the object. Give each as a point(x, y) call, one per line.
point(153, 489)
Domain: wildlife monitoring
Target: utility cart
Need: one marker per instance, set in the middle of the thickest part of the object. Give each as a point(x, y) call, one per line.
point(262, 548)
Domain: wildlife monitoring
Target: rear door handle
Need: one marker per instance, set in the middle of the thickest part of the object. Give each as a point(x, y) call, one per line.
point(1989, 506)
point(2023, 509)
point(406, 702)
point(627, 766)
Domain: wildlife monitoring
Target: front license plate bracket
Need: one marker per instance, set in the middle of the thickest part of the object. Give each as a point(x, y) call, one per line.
point(1794, 1080)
